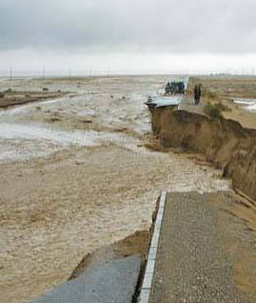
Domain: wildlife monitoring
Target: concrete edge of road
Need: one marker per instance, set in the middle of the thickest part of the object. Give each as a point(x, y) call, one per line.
point(149, 272)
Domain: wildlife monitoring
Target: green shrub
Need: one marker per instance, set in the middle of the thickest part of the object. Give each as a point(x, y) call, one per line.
point(1, 95)
point(210, 94)
point(223, 107)
point(212, 111)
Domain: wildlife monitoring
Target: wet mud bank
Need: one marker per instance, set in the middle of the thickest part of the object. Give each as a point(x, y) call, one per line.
point(14, 99)
point(224, 143)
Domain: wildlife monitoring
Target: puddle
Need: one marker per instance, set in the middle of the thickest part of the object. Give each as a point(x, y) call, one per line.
point(247, 104)
point(86, 113)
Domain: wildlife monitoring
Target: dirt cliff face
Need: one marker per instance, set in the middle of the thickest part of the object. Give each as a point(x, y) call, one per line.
point(225, 143)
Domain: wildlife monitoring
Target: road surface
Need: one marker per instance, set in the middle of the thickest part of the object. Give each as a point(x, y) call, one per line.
point(205, 252)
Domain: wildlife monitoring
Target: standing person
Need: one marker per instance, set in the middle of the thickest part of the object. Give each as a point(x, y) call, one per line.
point(196, 94)
point(199, 93)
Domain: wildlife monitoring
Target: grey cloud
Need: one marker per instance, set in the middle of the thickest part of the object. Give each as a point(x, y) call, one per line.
point(116, 25)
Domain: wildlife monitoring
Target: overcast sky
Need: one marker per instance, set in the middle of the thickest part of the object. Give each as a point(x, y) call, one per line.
point(171, 35)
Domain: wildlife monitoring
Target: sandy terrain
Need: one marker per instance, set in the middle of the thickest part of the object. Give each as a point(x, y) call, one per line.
point(76, 175)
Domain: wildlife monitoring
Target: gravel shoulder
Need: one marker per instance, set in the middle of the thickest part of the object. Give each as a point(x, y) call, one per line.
point(206, 253)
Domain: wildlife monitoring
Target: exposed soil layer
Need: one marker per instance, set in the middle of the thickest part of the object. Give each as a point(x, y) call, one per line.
point(225, 143)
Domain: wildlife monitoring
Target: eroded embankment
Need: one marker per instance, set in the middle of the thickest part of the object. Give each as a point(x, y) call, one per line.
point(225, 143)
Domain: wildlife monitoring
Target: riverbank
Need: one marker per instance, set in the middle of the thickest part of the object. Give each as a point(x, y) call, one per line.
point(223, 142)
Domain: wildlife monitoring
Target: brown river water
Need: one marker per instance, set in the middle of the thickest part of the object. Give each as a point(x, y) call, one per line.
point(75, 176)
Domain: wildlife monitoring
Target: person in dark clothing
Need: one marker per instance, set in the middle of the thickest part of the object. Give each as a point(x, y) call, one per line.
point(197, 94)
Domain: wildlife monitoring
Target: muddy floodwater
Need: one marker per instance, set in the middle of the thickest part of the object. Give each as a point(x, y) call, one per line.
point(76, 175)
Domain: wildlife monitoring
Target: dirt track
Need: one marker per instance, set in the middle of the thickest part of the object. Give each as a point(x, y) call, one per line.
point(75, 176)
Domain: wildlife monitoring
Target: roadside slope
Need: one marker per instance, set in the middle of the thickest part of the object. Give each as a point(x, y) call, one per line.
point(224, 143)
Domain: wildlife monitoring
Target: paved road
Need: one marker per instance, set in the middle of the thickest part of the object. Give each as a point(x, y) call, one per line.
point(114, 282)
point(205, 253)
point(188, 104)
